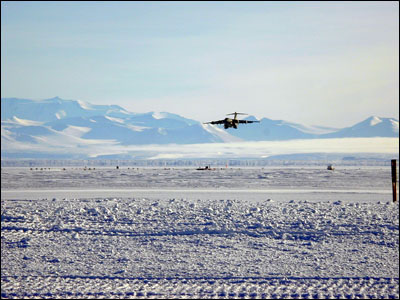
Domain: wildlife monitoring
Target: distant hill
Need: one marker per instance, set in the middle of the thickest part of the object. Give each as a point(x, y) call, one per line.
point(272, 130)
point(27, 119)
point(371, 127)
point(29, 126)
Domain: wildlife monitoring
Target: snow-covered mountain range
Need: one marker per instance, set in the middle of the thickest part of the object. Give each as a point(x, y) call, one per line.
point(26, 124)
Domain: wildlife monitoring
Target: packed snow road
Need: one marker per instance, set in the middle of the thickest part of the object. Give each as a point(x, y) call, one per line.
point(245, 234)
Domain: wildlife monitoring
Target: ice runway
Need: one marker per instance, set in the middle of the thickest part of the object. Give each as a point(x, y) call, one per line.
point(180, 233)
point(194, 194)
point(277, 183)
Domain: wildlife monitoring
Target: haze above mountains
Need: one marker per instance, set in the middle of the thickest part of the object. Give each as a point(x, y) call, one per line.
point(29, 125)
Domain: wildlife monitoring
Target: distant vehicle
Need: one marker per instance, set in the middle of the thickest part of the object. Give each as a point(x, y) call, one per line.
point(228, 122)
point(205, 168)
point(330, 168)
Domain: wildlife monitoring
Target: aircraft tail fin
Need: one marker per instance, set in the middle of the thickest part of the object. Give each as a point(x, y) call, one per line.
point(236, 113)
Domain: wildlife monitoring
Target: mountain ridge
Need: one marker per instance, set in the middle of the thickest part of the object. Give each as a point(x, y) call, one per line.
point(62, 124)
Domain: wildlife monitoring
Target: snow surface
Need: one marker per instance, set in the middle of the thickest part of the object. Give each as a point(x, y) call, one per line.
point(117, 120)
point(313, 129)
point(221, 133)
point(395, 125)
point(76, 131)
point(374, 121)
point(85, 105)
point(159, 115)
point(61, 114)
point(24, 122)
point(281, 232)
point(59, 143)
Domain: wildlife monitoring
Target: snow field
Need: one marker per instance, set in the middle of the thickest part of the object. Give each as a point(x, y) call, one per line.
point(164, 233)
point(180, 248)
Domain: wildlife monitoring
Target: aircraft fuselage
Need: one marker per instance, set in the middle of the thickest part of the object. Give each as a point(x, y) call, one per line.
point(228, 122)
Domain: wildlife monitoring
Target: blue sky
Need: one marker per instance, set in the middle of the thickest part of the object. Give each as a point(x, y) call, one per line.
point(316, 63)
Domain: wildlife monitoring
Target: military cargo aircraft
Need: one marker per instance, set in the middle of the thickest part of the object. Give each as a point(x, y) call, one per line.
point(228, 122)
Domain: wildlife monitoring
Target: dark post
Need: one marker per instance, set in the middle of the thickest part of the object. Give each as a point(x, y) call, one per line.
point(394, 180)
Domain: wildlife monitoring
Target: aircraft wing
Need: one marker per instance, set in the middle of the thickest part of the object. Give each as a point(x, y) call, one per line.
point(247, 121)
point(215, 122)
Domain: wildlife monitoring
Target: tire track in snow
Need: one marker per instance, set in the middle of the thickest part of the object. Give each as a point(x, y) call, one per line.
point(192, 288)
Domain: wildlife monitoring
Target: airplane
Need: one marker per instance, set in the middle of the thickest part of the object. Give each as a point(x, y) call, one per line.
point(228, 122)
